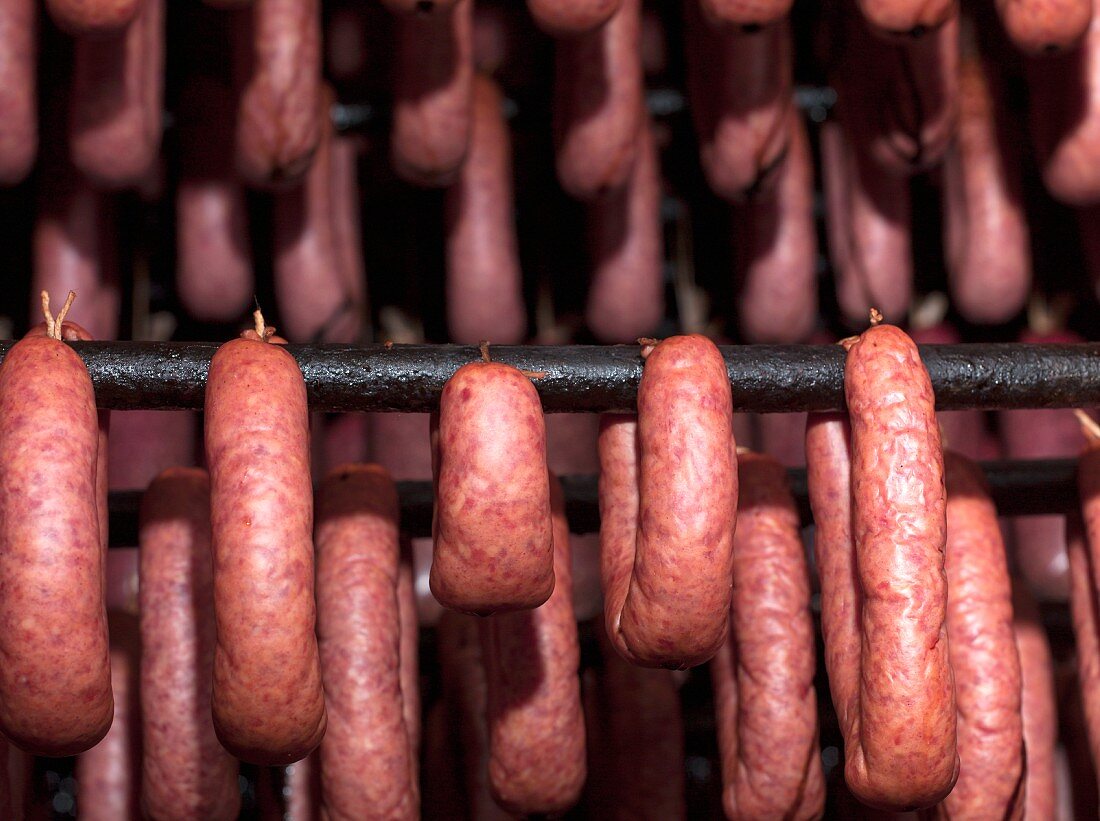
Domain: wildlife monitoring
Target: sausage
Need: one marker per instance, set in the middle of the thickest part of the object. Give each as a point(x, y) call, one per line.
point(1064, 117)
point(1044, 27)
point(346, 222)
point(1038, 705)
point(776, 248)
point(986, 236)
point(904, 752)
point(117, 99)
point(763, 674)
point(739, 87)
point(185, 771)
point(899, 98)
point(420, 7)
point(536, 723)
point(279, 115)
point(867, 223)
point(907, 17)
point(983, 652)
point(315, 301)
point(432, 98)
point(410, 651)
point(302, 790)
point(146, 442)
point(267, 701)
point(668, 505)
point(214, 278)
point(748, 14)
point(367, 758)
point(635, 734)
point(598, 104)
point(107, 774)
point(59, 703)
point(562, 18)
point(484, 286)
point(18, 100)
point(493, 548)
point(1081, 545)
point(93, 17)
point(626, 291)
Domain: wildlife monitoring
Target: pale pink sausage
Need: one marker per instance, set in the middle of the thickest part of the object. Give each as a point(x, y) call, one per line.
point(1045, 26)
point(1038, 706)
point(93, 17)
point(18, 103)
point(565, 17)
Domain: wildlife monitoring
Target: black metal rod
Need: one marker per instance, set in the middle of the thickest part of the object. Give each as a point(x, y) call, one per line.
point(1020, 488)
point(765, 378)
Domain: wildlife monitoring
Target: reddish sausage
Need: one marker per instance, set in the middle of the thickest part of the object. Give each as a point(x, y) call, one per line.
point(18, 103)
point(59, 703)
point(433, 75)
point(116, 102)
point(906, 755)
point(626, 293)
point(484, 288)
point(492, 529)
point(564, 17)
point(93, 17)
point(1038, 705)
point(910, 17)
point(776, 247)
point(748, 13)
point(668, 503)
point(346, 220)
point(213, 256)
point(536, 724)
point(739, 84)
point(267, 700)
point(279, 118)
point(598, 104)
point(983, 652)
point(763, 674)
point(367, 759)
point(986, 235)
point(1081, 543)
point(1045, 26)
point(146, 442)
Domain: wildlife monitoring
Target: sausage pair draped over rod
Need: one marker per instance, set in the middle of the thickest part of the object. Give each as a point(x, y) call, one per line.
point(591, 379)
point(1018, 488)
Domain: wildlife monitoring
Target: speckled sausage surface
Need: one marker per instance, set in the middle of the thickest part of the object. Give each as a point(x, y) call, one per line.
point(536, 723)
point(268, 704)
point(278, 121)
point(1038, 705)
point(564, 17)
point(598, 104)
point(368, 761)
point(492, 528)
point(667, 537)
point(55, 685)
point(983, 652)
point(186, 773)
point(433, 76)
point(1043, 27)
point(18, 101)
point(763, 674)
point(906, 757)
point(96, 17)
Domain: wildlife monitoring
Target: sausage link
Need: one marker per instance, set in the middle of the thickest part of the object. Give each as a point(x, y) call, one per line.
point(1081, 545)
point(1045, 26)
point(986, 235)
point(368, 759)
point(626, 293)
point(668, 503)
point(18, 97)
point(315, 302)
point(484, 286)
point(912, 18)
point(1038, 706)
point(598, 104)
point(302, 790)
point(279, 116)
point(147, 442)
point(59, 703)
point(984, 657)
point(186, 774)
point(763, 674)
point(492, 526)
point(268, 704)
point(776, 245)
point(93, 17)
point(746, 13)
point(867, 221)
point(562, 18)
point(433, 88)
point(739, 85)
point(213, 255)
point(906, 757)
point(347, 221)
point(536, 724)
point(117, 98)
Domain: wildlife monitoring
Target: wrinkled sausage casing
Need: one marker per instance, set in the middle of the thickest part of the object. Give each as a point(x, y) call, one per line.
point(267, 701)
point(492, 525)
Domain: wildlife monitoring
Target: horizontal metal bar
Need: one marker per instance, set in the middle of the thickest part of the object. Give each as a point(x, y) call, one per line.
point(765, 378)
point(1019, 488)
